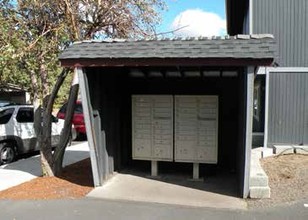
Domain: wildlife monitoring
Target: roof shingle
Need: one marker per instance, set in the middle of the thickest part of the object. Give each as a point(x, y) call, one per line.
point(238, 47)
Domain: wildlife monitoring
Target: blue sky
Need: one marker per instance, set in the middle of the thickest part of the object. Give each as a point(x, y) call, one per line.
point(200, 17)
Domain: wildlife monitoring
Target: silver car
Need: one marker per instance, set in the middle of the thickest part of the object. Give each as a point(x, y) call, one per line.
point(17, 135)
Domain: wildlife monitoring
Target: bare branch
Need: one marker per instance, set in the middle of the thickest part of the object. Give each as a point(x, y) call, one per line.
point(172, 31)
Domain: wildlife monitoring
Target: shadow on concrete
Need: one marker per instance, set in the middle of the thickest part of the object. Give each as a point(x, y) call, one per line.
point(214, 180)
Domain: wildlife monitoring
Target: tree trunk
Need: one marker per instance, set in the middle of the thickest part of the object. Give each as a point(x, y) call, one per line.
point(65, 135)
point(47, 128)
point(38, 122)
point(44, 81)
point(44, 139)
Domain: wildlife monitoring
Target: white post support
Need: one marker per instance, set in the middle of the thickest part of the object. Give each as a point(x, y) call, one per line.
point(250, 16)
point(196, 171)
point(89, 122)
point(249, 119)
point(266, 107)
point(154, 168)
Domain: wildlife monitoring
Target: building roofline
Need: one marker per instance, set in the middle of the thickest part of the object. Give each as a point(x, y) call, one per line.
point(160, 62)
point(225, 51)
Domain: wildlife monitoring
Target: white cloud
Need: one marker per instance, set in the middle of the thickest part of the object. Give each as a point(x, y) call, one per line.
point(197, 22)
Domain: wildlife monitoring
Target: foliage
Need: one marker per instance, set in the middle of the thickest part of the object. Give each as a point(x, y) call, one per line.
point(10, 43)
point(88, 19)
point(33, 33)
point(26, 45)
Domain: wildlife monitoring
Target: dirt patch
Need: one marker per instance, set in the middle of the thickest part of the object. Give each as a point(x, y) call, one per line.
point(75, 182)
point(288, 180)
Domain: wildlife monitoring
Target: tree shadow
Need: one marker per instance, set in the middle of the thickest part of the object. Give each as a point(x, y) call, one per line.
point(79, 173)
point(32, 165)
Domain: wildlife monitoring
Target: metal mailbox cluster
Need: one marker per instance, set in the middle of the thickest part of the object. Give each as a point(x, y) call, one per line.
point(181, 128)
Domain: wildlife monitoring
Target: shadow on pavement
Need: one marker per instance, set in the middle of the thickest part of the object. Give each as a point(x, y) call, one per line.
point(79, 173)
point(33, 166)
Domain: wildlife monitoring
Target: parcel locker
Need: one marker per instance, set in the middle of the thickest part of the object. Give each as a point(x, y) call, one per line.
point(152, 127)
point(196, 129)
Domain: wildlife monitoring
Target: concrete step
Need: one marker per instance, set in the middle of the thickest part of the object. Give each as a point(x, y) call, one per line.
point(299, 149)
point(258, 181)
point(283, 149)
point(259, 192)
point(262, 152)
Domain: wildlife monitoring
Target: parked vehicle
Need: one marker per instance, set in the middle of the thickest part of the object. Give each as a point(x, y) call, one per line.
point(17, 135)
point(79, 128)
point(5, 103)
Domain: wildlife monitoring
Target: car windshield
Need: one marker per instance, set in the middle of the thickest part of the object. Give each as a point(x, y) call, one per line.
point(78, 108)
point(5, 115)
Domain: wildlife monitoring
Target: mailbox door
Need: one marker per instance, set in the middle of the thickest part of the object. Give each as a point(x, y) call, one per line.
point(152, 130)
point(196, 129)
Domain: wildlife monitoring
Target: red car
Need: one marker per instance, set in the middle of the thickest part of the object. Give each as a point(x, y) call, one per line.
point(78, 120)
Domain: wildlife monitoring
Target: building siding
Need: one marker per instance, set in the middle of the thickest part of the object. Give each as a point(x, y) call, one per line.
point(288, 108)
point(287, 20)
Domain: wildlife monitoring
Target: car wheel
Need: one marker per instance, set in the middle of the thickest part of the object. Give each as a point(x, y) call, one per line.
point(7, 153)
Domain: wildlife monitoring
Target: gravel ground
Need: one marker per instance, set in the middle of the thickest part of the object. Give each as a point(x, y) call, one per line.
point(288, 180)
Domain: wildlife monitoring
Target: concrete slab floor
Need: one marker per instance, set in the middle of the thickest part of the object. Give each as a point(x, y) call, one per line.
point(168, 189)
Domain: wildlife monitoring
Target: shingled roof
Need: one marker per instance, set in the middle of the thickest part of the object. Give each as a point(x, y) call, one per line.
point(237, 47)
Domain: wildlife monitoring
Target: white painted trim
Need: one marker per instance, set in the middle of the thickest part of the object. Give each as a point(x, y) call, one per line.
point(286, 69)
point(267, 72)
point(250, 16)
point(248, 140)
point(75, 78)
point(261, 70)
point(87, 110)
